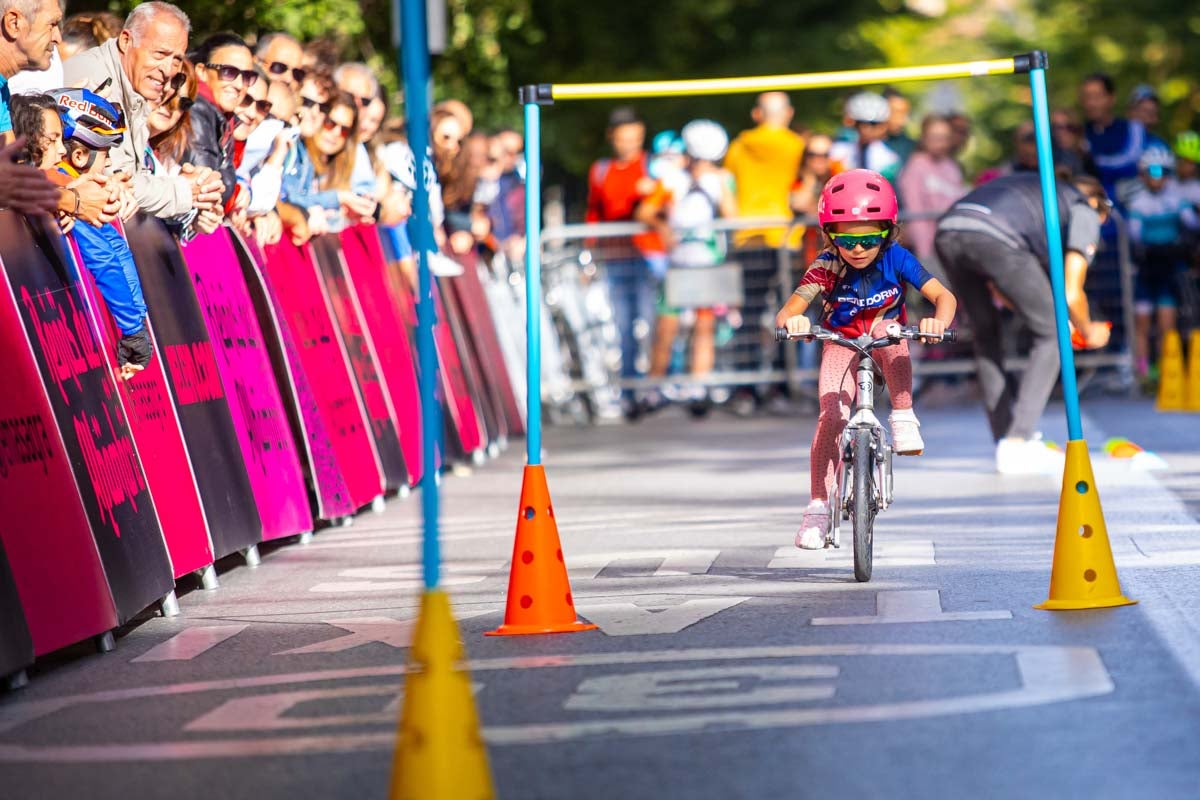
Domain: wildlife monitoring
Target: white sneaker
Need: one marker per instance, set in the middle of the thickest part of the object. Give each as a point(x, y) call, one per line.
point(811, 535)
point(1028, 457)
point(906, 433)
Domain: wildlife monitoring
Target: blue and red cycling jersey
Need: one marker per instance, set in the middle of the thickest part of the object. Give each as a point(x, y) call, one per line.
point(856, 299)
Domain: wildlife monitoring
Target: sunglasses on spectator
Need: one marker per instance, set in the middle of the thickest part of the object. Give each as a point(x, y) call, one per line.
point(363, 102)
point(343, 130)
point(848, 241)
point(279, 68)
point(177, 81)
point(816, 154)
point(263, 107)
point(184, 104)
point(229, 74)
point(308, 102)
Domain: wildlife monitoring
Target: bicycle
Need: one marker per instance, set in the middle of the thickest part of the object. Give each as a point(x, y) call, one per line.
point(862, 485)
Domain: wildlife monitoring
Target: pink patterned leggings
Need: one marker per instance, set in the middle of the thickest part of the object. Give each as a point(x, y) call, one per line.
point(837, 388)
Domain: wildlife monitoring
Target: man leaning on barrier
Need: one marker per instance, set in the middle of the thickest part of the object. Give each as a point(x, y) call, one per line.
point(30, 30)
point(133, 71)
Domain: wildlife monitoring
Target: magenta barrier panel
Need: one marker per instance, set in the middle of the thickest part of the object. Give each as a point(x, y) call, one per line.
point(363, 358)
point(83, 396)
point(53, 558)
point(244, 364)
point(305, 312)
point(196, 389)
point(146, 401)
point(463, 332)
point(484, 341)
point(464, 415)
point(319, 456)
point(367, 276)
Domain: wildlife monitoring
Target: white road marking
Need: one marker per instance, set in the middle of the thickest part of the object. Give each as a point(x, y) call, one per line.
point(405, 577)
point(369, 630)
point(1048, 674)
point(674, 562)
point(918, 553)
point(703, 687)
point(265, 712)
point(628, 619)
point(191, 642)
point(923, 605)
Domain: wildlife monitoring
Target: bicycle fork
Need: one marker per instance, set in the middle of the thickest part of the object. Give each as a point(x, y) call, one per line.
point(881, 448)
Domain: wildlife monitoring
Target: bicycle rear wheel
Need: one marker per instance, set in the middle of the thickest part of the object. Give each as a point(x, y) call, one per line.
point(862, 505)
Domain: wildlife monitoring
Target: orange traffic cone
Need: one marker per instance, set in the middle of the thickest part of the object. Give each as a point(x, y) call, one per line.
point(539, 592)
point(1192, 393)
point(1084, 574)
point(1170, 374)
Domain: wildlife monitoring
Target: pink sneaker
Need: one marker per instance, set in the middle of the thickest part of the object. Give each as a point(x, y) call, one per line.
point(811, 535)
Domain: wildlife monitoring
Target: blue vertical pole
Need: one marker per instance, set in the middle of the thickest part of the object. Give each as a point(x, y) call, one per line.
point(533, 281)
point(1041, 125)
point(414, 62)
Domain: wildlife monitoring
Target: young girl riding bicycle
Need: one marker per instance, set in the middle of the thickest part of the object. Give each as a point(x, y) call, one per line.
point(862, 275)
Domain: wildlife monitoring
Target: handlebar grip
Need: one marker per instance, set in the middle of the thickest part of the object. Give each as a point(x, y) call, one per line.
point(781, 334)
point(950, 336)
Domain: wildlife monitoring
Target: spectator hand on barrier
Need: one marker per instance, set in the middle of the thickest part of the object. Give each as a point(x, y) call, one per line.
point(99, 199)
point(125, 196)
point(208, 220)
point(357, 207)
point(318, 223)
point(23, 188)
point(268, 229)
point(207, 187)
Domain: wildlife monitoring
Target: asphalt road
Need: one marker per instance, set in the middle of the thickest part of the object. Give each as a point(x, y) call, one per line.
point(728, 664)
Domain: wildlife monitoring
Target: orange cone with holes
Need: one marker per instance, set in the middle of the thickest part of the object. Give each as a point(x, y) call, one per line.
point(539, 592)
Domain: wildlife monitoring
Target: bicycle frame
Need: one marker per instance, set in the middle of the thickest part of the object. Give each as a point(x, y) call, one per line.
point(862, 416)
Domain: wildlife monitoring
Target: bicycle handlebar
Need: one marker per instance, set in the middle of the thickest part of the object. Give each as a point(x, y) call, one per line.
point(894, 333)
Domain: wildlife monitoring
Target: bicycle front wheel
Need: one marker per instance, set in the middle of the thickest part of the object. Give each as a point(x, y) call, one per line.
point(862, 505)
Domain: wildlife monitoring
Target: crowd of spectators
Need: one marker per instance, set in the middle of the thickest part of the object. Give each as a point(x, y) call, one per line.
point(271, 136)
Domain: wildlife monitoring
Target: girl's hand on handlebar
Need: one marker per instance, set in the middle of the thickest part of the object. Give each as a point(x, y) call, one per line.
point(797, 325)
point(934, 326)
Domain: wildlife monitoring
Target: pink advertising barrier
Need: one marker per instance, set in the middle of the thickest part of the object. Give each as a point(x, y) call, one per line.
point(155, 428)
point(244, 365)
point(322, 365)
point(367, 274)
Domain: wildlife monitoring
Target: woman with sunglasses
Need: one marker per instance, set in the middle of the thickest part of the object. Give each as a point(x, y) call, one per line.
point(862, 275)
point(225, 67)
point(318, 172)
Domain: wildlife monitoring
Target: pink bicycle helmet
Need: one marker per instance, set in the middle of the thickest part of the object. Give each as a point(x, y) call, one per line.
point(857, 195)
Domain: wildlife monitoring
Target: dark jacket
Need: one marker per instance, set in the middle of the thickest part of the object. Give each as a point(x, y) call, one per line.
point(212, 142)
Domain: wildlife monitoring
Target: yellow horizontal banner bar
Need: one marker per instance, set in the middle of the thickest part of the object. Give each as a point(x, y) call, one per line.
point(767, 83)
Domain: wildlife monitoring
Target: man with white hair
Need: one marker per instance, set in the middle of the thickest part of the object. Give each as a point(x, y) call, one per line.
point(134, 70)
point(30, 31)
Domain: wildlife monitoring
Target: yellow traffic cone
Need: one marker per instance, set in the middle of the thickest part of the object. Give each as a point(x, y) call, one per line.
point(1170, 374)
point(1083, 575)
point(440, 753)
point(1192, 394)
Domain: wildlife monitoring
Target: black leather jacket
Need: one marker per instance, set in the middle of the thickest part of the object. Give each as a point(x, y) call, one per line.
point(212, 143)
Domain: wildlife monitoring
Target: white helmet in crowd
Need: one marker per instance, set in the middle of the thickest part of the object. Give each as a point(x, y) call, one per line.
point(1157, 159)
point(868, 107)
point(704, 140)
